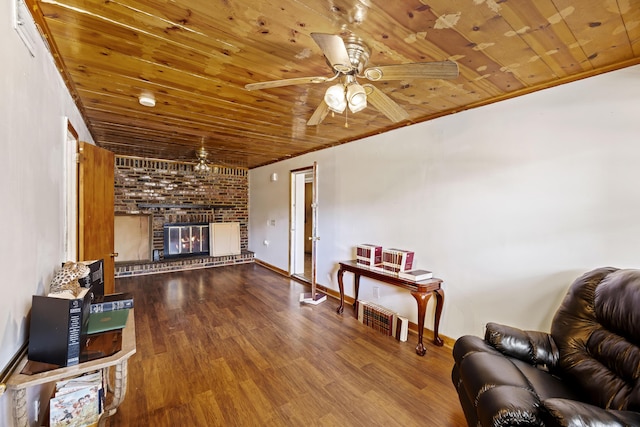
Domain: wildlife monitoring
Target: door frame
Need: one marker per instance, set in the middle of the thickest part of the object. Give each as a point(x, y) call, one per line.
point(71, 192)
point(299, 178)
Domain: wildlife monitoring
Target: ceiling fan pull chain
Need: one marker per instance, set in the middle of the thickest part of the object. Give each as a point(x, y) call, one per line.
point(346, 118)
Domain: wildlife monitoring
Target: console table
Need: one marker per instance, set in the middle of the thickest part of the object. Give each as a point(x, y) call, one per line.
point(421, 291)
point(19, 382)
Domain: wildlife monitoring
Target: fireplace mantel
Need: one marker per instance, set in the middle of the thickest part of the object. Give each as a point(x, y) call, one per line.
point(180, 206)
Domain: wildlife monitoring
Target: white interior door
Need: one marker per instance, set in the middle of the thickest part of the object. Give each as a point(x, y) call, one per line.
point(314, 226)
point(302, 262)
point(297, 223)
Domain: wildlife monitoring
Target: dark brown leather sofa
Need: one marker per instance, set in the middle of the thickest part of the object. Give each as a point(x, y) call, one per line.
point(585, 372)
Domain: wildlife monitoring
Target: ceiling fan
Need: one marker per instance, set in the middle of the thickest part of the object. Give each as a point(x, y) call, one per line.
point(347, 58)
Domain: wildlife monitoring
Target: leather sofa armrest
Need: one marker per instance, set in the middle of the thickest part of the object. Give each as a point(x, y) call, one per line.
point(493, 390)
point(564, 412)
point(536, 348)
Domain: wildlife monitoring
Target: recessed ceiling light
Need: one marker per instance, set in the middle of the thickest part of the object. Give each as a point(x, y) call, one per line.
point(147, 100)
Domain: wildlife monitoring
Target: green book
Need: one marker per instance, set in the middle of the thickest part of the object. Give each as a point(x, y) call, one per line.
point(107, 321)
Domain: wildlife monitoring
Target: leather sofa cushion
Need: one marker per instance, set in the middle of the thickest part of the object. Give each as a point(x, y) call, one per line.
point(545, 385)
point(503, 390)
point(508, 406)
point(571, 413)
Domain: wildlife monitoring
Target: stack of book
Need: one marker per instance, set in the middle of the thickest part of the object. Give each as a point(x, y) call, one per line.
point(109, 312)
point(376, 317)
point(59, 321)
point(111, 302)
point(369, 255)
point(66, 330)
point(397, 260)
point(77, 402)
point(383, 320)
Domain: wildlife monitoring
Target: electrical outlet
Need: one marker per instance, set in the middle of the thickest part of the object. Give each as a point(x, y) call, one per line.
point(376, 292)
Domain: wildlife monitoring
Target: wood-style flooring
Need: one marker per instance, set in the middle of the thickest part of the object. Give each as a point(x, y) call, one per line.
point(233, 346)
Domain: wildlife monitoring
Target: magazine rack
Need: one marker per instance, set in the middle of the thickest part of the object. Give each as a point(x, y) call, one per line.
point(19, 382)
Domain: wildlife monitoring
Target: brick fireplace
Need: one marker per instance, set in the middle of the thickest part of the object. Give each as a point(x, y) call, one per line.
point(172, 193)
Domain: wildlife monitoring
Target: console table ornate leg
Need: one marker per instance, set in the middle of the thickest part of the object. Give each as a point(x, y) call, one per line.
point(356, 288)
point(436, 323)
point(341, 287)
point(20, 408)
point(421, 299)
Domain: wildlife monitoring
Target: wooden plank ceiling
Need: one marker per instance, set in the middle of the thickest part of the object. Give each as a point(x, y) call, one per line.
point(195, 57)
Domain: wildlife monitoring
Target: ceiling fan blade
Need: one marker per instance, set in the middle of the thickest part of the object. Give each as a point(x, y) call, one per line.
point(334, 50)
point(385, 105)
point(415, 70)
point(286, 82)
point(318, 116)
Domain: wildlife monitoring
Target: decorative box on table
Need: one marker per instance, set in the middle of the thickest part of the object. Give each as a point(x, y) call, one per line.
point(397, 260)
point(369, 255)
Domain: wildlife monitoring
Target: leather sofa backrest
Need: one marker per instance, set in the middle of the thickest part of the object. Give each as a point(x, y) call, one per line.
point(597, 332)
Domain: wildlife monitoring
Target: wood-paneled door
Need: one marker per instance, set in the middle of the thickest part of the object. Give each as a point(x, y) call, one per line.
point(96, 210)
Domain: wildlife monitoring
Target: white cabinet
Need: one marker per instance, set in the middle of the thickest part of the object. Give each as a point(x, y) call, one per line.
point(224, 238)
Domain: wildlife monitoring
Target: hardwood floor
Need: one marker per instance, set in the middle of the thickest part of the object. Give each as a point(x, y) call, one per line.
point(232, 346)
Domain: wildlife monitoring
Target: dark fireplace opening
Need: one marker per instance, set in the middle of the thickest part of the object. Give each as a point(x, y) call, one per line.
point(186, 239)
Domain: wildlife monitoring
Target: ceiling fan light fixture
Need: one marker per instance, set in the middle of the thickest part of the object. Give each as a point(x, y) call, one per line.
point(334, 97)
point(202, 166)
point(356, 97)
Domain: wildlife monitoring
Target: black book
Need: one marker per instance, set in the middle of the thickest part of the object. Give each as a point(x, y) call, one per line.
point(58, 329)
point(95, 278)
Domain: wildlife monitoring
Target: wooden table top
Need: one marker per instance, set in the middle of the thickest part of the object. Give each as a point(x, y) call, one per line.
point(426, 285)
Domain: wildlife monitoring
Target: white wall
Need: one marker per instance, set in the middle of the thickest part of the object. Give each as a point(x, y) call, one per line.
point(34, 108)
point(507, 203)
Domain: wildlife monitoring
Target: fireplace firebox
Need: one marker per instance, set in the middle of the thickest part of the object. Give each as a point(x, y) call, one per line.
point(186, 239)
